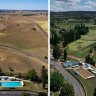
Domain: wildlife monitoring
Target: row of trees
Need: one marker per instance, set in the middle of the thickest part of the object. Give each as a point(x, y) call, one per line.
point(68, 36)
point(32, 75)
point(57, 84)
point(57, 53)
point(89, 58)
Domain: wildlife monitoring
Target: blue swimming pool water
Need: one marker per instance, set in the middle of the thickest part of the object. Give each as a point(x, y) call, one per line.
point(11, 84)
point(68, 64)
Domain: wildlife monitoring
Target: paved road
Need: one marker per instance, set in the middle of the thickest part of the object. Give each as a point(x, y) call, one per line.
point(79, 91)
point(19, 51)
point(16, 93)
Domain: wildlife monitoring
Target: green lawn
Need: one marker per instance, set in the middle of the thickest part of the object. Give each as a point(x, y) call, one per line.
point(44, 25)
point(32, 86)
point(56, 94)
point(89, 85)
point(81, 47)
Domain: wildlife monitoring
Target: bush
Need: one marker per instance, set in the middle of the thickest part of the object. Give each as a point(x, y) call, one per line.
point(67, 90)
point(46, 57)
point(42, 94)
point(25, 94)
point(56, 81)
point(34, 28)
point(32, 75)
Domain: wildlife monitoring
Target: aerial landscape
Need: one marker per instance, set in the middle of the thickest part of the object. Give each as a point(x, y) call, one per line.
point(73, 48)
point(23, 49)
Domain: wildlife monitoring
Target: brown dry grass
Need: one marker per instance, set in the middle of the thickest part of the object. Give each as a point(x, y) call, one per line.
point(19, 33)
point(18, 62)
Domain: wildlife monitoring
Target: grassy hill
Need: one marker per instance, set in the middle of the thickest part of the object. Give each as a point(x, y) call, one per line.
point(68, 20)
point(22, 32)
point(82, 46)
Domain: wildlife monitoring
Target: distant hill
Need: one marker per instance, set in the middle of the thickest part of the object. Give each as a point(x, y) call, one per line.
point(74, 14)
point(23, 12)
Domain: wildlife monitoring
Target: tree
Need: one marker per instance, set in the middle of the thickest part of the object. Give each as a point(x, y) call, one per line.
point(67, 90)
point(55, 39)
point(44, 76)
point(19, 75)
point(56, 52)
point(65, 54)
point(94, 21)
point(32, 75)
point(52, 23)
point(89, 60)
point(56, 81)
point(42, 94)
point(11, 70)
point(91, 50)
point(94, 94)
point(25, 94)
point(92, 62)
point(1, 71)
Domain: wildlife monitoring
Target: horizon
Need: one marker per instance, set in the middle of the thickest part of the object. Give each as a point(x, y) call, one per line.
point(24, 9)
point(75, 11)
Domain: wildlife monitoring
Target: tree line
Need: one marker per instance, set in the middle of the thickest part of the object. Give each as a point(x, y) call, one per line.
point(67, 36)
point(57, 83)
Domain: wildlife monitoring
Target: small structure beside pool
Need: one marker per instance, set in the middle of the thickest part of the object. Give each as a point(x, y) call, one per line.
point(71, 64)
point(85, 70)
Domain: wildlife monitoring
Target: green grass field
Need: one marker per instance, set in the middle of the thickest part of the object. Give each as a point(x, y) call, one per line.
point(89, 84)
point(32, 86)
point(81, 47)
point(44, 25)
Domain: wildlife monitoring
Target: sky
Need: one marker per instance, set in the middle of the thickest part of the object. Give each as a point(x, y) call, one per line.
point(24, 4)
point(73, 5)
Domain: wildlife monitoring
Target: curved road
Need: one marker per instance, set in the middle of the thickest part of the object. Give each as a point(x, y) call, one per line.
point(79, 91)
point(19, 51)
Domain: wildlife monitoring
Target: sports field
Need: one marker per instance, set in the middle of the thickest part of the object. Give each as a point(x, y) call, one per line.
point(84, 73)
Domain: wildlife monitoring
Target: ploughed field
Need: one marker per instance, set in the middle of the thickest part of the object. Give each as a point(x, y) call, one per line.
point(23, 33)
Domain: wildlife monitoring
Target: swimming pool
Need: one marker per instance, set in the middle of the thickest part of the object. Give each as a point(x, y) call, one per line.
point(11, 84)
point(70, 64)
